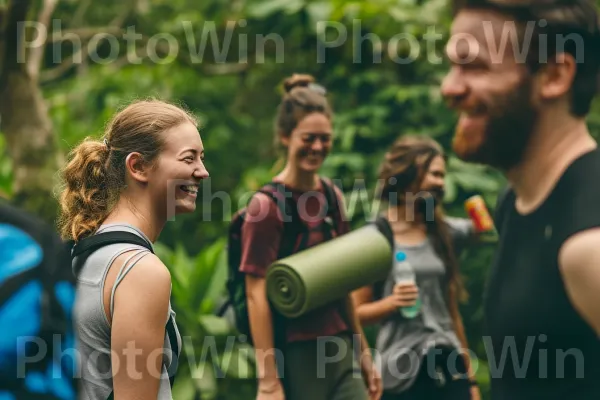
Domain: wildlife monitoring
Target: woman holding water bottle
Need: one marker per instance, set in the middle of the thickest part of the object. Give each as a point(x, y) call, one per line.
point(421, 338)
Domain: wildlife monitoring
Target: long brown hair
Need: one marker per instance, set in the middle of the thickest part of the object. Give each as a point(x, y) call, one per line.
point(404, 167)
point(95, 174)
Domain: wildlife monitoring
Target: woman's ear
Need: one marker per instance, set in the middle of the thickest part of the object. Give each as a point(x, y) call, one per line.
point(285, 140)
point(137, 167)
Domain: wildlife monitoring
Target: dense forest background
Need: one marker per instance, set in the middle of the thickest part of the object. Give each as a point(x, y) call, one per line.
point(66, 71)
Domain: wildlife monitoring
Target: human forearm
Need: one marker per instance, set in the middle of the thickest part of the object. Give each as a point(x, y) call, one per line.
point(356, 323)
point(374, 312)
point(261, 328)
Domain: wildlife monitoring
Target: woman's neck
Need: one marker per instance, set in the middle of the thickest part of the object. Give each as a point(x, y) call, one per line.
point(297, 179)
point(402, 215)
point(138, 215)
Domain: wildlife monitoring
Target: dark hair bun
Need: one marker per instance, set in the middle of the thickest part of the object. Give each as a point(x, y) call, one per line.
point(297, 80)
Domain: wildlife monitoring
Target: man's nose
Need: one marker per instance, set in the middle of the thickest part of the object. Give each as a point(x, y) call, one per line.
point(453, 87)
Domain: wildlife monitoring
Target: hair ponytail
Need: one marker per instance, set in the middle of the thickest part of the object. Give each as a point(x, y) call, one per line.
point(86, 195)
point(96, 174)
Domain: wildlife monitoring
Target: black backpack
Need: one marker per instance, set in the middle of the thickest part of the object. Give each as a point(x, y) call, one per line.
point(85, 247)
point(294, 231)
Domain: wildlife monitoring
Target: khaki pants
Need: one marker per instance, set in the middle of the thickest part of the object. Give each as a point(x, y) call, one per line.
point(323, 369)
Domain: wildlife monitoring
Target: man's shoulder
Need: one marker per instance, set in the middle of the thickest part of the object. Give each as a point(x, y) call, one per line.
point(581, 176)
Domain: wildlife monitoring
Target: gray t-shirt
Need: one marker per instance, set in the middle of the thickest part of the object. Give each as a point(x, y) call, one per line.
point(402, 342)
point(91, 322)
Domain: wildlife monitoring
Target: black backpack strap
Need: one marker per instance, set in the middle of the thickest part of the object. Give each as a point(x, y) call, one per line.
point(94, 242)
point(385, 228)
point(333, 204)
point(292, 223)
point(172, 333)
point(85, 247)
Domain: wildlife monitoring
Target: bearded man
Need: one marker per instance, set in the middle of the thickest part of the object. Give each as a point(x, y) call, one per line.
point(523, 76)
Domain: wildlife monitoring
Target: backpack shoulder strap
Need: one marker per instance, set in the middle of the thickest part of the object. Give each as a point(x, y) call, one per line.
point(385, 228)
point(94, 242)
point(85, 247)
point(172, 334)
point(333, 204)
point(292, 223)
point(284, 200)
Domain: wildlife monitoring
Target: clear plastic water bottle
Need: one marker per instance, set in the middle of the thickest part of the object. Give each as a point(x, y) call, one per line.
point(404, 273)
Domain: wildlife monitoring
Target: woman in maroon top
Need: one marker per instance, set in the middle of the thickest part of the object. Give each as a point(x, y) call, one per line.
point(318, 357)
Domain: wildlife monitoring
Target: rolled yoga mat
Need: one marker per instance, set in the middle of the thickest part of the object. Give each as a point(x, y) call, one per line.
point(329, 271)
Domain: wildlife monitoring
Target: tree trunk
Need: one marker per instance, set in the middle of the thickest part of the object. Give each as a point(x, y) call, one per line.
point(31, 145)
point(25, 121)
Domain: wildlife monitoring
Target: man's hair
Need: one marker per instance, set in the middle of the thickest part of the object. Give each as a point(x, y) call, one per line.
point(570, 24)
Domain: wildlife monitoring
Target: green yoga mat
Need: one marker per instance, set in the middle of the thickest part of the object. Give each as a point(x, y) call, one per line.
point(329, 271)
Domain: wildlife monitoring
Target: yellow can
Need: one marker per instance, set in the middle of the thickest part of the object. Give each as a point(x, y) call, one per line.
point(479, 214)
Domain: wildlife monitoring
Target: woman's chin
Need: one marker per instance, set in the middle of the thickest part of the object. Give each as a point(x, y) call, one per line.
point(308, 166)
point(185, 207)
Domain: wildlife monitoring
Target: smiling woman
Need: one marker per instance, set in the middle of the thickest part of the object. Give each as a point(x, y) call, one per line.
point(304, 131)
point(148, 166)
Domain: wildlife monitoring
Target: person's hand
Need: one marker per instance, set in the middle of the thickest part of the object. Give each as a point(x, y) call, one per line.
point(372, 378)
point(271, 390)
point(404, 295)
point(475, 393)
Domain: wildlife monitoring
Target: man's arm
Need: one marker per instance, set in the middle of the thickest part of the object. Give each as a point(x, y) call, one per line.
point(579, 261)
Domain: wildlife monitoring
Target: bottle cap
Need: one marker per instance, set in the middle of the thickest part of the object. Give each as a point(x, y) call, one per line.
point(400, 256)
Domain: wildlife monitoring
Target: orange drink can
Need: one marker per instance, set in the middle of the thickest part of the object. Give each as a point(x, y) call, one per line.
point(479, 214)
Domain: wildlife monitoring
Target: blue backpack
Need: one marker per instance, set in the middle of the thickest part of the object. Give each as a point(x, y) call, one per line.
point(37, 293)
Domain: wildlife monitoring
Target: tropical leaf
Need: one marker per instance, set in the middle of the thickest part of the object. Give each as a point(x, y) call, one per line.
point(214, 326)
point(205, 379)
point(238, 362)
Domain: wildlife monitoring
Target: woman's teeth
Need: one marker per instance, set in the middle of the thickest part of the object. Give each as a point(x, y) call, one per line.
point(193, 189)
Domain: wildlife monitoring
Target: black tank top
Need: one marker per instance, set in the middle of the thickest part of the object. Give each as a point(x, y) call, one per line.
point(537, 345)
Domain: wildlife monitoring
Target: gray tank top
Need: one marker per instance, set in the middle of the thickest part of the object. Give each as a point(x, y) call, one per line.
point(402, 342)
point(92, 324)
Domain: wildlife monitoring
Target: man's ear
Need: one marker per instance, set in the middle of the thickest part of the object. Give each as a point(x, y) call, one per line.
point(557, 76)
point(137, 167)
point(285, 140)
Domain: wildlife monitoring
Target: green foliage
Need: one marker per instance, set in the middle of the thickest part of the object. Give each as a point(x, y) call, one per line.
point(6, 176)
point(211, 357)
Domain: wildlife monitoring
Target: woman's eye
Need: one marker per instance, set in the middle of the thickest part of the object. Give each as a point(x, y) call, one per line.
point(189, 160)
